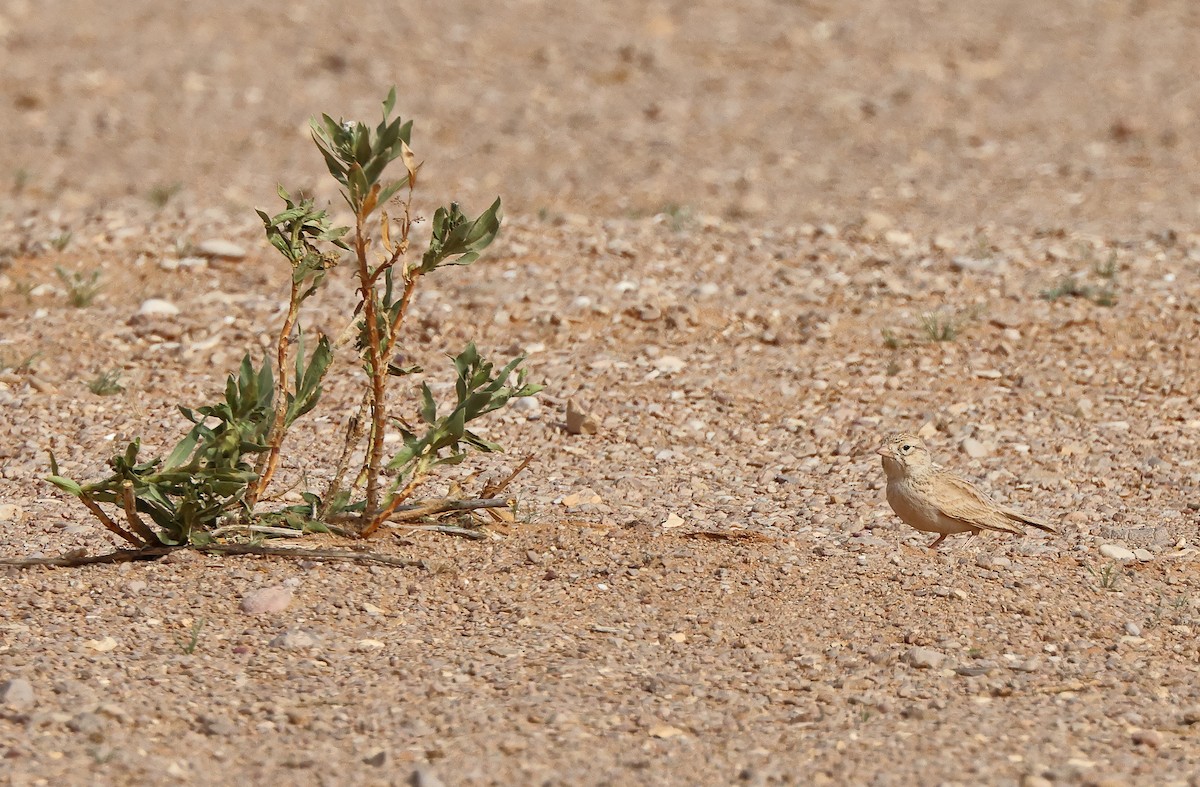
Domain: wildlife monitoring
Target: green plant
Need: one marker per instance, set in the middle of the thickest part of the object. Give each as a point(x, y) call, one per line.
point(221, 470)
point(81, 289)
point(189, 647)
point(1108, 577)
point(1108, 268)
point(939, 327)
point(890, 339)
point(106, 383)
point(61, 240)
point(161, 193)
point(16, 363)
point(679, 217)
point(1072, 287)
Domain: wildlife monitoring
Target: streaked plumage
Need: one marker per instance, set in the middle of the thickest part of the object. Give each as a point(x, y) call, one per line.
point(934, 500)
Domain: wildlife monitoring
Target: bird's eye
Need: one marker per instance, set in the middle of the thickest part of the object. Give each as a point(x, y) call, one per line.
point(906, 448)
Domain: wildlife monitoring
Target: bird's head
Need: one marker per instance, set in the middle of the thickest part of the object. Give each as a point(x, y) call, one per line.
point(902, 453)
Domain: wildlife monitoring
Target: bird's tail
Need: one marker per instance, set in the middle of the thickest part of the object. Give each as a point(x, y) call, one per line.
point(1019, 517)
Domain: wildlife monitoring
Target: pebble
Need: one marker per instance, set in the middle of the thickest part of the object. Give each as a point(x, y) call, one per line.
point(221, 248)
point(9, 512)
point(975, 449)
point(579, 421)
point(157, 307)
point(16, 693)
point(1190, 715)
point(1151, 738)
point(188, 263)
point(1143, 555)
point(1117, 553)
point(295, 639)
point(670, 364)
point(265, 600)
point(424, 777)
point(923, 658)
point(1133, 629)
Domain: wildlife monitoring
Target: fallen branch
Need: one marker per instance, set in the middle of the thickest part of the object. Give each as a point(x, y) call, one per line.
point(76, 558)
point(449, 530)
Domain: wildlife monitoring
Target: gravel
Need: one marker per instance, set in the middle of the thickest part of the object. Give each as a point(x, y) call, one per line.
point(720, 245)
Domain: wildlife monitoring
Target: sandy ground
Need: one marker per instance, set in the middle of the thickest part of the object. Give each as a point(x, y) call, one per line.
point(732, 236)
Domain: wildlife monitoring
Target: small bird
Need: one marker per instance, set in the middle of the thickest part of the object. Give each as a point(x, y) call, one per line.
point(934, 500)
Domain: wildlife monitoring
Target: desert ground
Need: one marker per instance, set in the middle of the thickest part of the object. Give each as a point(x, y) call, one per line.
point(750, 241)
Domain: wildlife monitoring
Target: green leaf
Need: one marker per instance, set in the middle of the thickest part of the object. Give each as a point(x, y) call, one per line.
point(183, 449)
point(428, 406)
point(389, 103)
point(66, 484)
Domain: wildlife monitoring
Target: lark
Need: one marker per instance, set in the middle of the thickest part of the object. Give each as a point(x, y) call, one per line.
point(934, 500)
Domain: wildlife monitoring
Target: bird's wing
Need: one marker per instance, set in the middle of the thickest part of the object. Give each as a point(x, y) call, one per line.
point(961, 501)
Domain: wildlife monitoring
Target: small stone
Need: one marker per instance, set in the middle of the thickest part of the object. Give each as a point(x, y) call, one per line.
point(1033, 780)
point(9, 512)
point(580, 422)
point(217, 726)
point(215, 247)
point(975, 449)
point(874, 222)
point(1133, 629)
point(101, 645)
point(1029, 665)
point(669, 364)
point(1190, 715)
point(265, 600)
point(423, 777)
point(923, 658)
point(157, 307)
point(529, 405)
point(16, 693)
point(672, 520)
point(87, 724)
point(377, 759)
point(367, 645)
point(1117, 553)
point(1143, 555)
point(1151, 738)
point(665, 731)
point(583, 497)
point(295, 639)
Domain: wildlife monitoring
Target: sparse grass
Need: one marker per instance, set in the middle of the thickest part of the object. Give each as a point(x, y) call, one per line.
point(159, 195)
point(940, 327)
point(81, 289)
point(25, 289)
point(189, 647)
point(106, 383)
point(16, 363)
point(60, 241)
point(679, 217)
point(1072, 287)
point(893, 368)
point(1108, 268)
point(890, 339)
point(1108, 577)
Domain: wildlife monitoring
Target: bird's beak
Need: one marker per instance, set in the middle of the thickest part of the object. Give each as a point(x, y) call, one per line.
point(883, 451)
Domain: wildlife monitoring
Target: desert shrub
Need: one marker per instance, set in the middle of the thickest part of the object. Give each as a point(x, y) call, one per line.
point(221, 469)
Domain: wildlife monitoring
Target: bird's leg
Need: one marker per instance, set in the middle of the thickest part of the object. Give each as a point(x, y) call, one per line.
point(938, 540)
point(963, 543)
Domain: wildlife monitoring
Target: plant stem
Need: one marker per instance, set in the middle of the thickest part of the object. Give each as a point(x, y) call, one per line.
point(378, 373)
point(374, 521)
point(354, 434)
point(271, 459)
point(107, 521)
point(135, 522)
